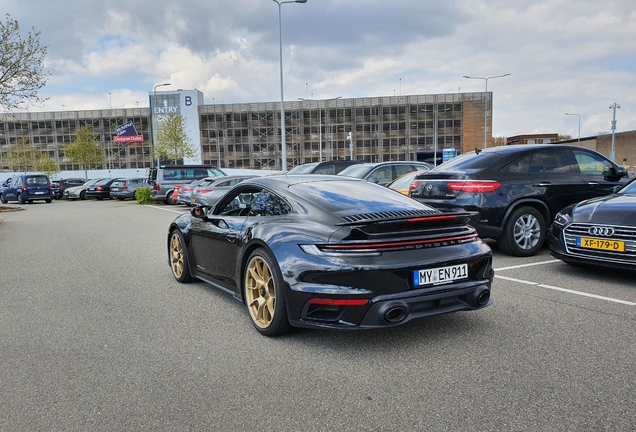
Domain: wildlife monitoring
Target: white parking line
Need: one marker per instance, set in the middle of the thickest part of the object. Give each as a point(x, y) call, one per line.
point(610, 299)
point(527, 265)
point(165, 209)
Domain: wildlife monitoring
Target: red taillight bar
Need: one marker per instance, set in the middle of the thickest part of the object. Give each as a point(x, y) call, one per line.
point(335, 302)
point(432, 218)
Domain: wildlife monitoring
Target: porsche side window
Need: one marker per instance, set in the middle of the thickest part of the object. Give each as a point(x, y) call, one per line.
point(269, 204)
point(240, 205)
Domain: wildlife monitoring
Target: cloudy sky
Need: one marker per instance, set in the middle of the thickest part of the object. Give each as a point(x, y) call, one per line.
point(575, 56)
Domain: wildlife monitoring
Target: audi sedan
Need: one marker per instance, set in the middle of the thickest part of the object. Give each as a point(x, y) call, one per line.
point(599, 231)
point(331, 252)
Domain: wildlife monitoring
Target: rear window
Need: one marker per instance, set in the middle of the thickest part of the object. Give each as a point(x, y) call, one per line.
point(189, 174)
point(469, 161)
point(37, 181)
point(303, 169)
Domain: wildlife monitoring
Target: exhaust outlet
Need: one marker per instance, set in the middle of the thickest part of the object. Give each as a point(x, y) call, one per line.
point(479, 298)
point(395, 314)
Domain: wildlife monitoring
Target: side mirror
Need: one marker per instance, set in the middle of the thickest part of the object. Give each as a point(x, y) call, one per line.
point(374, 180)
point(199, 212)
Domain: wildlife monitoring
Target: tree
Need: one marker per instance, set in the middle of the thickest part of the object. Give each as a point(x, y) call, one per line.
point(22, 155)
point(46, 165)
point(173, 143)
point(498, 141)
point(22, 71)
point(564, 137)
point(85, 150)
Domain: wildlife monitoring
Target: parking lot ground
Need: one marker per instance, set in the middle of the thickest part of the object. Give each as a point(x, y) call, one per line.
point(95, 334)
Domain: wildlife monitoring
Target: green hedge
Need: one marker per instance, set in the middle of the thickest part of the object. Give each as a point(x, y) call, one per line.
point(143, 195)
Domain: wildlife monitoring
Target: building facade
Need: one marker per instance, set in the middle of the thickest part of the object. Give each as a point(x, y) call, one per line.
point(247, 135)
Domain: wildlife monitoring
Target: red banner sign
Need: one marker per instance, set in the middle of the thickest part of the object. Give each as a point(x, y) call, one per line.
point(128, 139)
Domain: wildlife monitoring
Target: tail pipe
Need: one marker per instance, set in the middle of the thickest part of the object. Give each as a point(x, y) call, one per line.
point(395, 314)
point(480, 297)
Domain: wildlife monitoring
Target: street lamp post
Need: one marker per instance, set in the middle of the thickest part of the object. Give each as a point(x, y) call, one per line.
point(152, 118)
point(282, 98)
point(579, 115)
point(110, 115)
point(613, 106)
point(486, 102)
point(320, 122)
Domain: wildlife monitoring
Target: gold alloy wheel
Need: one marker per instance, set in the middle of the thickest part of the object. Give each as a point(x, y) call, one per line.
point(260, 292)
point(176, 255)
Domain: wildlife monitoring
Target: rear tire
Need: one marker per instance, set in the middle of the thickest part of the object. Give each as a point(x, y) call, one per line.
point(83, 195)
point(524, 232)
point(48, 201)
point(169, 199)
point(20, 199)
point(120, 198)
point(263, 293)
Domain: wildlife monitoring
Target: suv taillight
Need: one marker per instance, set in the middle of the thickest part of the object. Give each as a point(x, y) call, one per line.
point(124, 186)
point(157, 187)
point(474, 186)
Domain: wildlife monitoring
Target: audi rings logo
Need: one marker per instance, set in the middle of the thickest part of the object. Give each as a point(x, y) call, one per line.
point(601, 231)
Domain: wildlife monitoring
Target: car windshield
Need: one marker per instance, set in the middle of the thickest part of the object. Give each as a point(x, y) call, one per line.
point(357, 171)
point(629, 188)
point(303, 169)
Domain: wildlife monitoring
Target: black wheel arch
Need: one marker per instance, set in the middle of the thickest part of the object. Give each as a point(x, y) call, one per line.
point(539, 205)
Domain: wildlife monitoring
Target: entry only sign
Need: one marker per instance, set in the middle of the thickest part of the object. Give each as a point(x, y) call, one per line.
point(127, 134)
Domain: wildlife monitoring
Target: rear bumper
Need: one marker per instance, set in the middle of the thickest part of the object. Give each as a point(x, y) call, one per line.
point(396, 309)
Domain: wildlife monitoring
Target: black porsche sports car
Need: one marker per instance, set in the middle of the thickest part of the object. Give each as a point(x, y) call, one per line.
point(331, 252)
point(599, 231)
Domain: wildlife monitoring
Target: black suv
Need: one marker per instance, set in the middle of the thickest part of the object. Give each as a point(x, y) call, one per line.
point(515, 191)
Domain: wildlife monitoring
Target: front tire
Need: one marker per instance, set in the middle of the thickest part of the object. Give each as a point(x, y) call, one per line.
point(264, 297)
point(169, 199)
point(178, 256)
point(524, 233)
point(3, 200)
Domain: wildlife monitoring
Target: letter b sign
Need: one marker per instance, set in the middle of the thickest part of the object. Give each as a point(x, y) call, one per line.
point(188, 100)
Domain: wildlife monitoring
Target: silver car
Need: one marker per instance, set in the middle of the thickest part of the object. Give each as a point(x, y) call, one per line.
point(208, 192)
point(79, 192)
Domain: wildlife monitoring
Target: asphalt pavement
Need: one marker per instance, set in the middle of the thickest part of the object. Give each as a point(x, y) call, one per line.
point(95, 334)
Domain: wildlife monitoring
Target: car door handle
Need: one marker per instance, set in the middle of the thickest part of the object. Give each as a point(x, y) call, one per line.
point(592, 183)
point(231, 237)
point(545, 184)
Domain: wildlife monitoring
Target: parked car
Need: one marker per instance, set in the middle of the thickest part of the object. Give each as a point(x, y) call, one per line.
point(165, 177)
point(101, 189)
point(516, 191)
point(403, 183)
point(599, 232)
point(213, 188)
point(79, 192)
point(58, 186)
point(184, 191)
point(127, 188)
point(332, 167)
point(329, 252)
point(26, 188)
point(383, 172)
